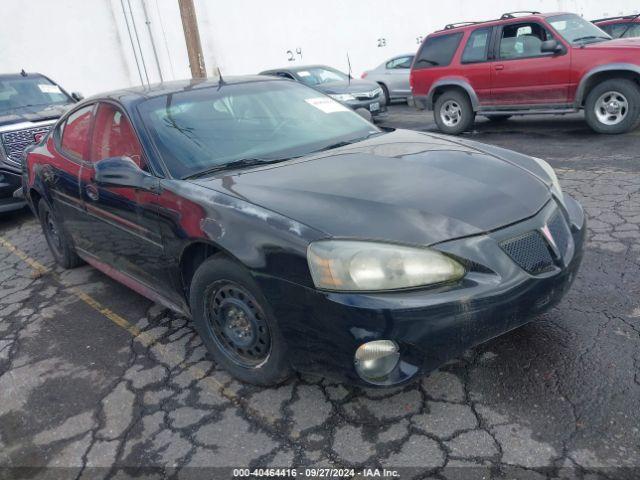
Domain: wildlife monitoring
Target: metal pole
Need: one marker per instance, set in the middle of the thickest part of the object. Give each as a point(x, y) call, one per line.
point(192, 38)
point(153, 43)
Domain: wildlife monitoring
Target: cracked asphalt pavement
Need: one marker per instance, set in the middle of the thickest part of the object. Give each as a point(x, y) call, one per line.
point(95, 378)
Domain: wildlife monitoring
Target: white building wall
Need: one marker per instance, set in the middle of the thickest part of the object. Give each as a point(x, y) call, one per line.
point(85, 44)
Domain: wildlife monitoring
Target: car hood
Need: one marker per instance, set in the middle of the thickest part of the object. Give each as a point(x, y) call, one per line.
point(615, 44)
point(403, 186)
point(356, 86)
point(32, 114)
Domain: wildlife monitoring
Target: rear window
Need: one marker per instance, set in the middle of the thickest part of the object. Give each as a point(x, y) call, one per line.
point(477, 46)
point(438, 51)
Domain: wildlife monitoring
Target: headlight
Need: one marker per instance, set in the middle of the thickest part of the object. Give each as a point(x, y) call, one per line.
point(376, 92)
point(360, 265)
point(555, 187)
point(342, 97)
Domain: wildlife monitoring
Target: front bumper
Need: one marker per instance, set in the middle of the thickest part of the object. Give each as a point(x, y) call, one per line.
point(10, 181)
point(369, 105)
point(431, 326)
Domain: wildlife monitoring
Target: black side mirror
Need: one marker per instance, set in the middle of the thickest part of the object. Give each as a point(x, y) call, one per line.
point(77, 96)
point(123, 172)
point(551, 46)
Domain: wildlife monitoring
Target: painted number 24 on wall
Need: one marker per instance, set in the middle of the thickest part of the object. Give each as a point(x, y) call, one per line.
point(291, 55)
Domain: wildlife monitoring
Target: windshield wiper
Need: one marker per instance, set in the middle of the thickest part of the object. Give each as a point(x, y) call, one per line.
point(243, 162)
point(590, 37)
point(344, 143)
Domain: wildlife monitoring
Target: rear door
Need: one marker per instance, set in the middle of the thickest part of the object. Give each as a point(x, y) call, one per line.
point(396, 74)
point(522, 75)
point(122, 227)
point(61, 172)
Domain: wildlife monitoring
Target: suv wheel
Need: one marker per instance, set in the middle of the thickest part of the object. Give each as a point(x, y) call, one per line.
point(59, 243)
point(613, 106)
point(236, 324)
point(453, 112)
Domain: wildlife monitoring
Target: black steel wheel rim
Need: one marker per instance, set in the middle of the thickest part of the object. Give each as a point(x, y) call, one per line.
point(238, 324)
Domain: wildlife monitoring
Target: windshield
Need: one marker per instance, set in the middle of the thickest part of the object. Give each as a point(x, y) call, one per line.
point(575, 29)
point(21, 92)
point(201, 129)
point(318, 75)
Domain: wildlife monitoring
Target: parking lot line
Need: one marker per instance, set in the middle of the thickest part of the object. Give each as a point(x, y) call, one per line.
point(147, 341)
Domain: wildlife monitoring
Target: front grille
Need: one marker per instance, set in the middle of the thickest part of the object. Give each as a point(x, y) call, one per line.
point(530, 252)
point(560, 232)
point(15, 142)
point(367, 95)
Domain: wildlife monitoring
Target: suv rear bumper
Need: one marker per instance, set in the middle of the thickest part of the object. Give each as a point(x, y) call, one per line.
point(10, 181)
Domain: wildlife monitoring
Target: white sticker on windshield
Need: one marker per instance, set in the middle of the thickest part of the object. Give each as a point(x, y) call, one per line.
point(48, 88)
point(326, 105)
point(303, 73)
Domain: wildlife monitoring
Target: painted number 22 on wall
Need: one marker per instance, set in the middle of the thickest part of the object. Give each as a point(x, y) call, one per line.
point(291, 55)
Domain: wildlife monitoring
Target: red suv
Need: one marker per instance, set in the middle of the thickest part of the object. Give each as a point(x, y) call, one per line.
point(528, 64)
point(620, 27)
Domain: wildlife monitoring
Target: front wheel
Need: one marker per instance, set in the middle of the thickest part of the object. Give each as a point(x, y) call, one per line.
point(235, 323)
point(613, 106)
point(453, 112)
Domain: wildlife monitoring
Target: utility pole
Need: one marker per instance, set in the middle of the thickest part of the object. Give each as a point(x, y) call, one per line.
point(192, 38)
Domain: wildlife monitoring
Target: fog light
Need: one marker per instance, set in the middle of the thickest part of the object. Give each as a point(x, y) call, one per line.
point(375, 360)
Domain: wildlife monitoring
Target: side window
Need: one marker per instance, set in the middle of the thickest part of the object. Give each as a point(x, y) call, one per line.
point(285, 75)
point(634, 31)
point(477, 46)
point(438, 51)
point(522, 40)
point(399, 63)
point(75, 132)
point(113, 136)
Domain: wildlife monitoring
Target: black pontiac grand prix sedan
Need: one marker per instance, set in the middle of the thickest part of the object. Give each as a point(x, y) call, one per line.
point(299, 236)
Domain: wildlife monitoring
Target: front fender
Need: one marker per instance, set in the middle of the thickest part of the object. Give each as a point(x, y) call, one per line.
point(581, 91)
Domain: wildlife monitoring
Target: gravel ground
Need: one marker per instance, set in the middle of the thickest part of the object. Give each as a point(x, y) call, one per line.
point(94, 378)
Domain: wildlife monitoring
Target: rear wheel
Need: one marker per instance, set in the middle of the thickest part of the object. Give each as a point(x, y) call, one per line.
point(236, 324)
point(385, 93)
point(59, 242)
point(613, 106)
point(453, 112)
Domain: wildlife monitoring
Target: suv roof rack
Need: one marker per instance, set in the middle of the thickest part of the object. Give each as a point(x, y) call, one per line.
point(449, 26)
point(508, 15)
point(621, 17)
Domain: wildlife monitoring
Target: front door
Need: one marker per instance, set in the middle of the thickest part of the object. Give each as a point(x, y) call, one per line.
point(522, 75)
point(122, 232)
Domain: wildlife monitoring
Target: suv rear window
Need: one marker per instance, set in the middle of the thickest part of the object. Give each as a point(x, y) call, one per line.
point(438, 51)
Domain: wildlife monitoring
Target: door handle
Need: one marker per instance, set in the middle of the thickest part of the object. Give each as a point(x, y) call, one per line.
point(92, 192)
point(499, 67)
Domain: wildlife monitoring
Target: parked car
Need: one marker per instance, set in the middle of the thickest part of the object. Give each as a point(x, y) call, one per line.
point(393, 77)
point(532, 64)
point(298, 235)
point(620, 27)
point(356, 94)
point(29, 105)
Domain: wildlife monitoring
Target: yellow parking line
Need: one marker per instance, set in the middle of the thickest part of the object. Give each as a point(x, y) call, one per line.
point(163, 352)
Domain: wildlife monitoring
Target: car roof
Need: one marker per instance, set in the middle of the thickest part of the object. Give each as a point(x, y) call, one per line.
point(132, 95)
point(299, 68)
point(16, 76)
point(509, 17)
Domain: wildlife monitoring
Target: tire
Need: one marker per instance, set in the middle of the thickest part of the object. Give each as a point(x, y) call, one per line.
point(453, 112)
point(236, 324)
point(498, 118)
point(613, 106)
point(385, 92)
point(58, 240)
